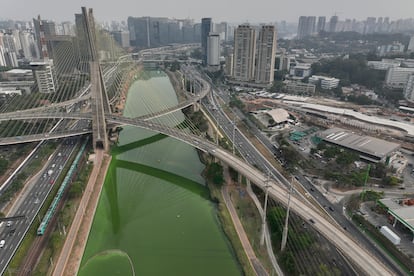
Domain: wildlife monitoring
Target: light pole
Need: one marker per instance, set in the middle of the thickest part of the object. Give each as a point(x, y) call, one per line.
point(285, 228)
point(234, 134)
point(267, 185)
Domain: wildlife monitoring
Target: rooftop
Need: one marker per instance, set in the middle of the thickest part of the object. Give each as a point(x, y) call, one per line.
point(365, 144)
point(404, 213)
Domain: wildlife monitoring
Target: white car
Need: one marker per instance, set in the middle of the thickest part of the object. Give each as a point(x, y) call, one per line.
point(2, 242)
point(9, 223)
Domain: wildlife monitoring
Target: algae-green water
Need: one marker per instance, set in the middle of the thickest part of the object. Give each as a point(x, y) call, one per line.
point(154, 216)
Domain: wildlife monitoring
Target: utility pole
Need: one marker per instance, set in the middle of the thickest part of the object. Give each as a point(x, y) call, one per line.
point(267, 185)
point(234, 134)
point(285, 228)
point(365, 182)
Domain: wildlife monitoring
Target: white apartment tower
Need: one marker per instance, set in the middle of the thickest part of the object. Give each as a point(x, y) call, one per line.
point(266, 55)
point(213, 51)
point(244, 53)
point(45, 76)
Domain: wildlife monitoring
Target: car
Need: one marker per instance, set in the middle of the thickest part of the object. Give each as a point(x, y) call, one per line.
point(330, 208)
point(11, 232)
point(311, 221)
point(2, 242)
point(9, 223)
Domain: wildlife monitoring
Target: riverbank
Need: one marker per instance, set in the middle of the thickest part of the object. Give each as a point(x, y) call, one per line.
point(71, 254)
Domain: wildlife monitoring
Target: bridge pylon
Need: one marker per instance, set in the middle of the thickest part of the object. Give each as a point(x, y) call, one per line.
point(99, 102)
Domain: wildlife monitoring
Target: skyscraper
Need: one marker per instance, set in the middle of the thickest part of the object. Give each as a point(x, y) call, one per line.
point(266, 55)
point(306, 26)
point(332, 23)
point(44, 29)
point(206, 28)
point(213, 51)
point(244, 53)
point(321, 24)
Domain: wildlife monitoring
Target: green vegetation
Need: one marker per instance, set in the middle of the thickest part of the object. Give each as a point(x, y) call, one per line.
point(352, 70)
point(235, 102)
point(64, 220)
point(228, 228)
point(28, 171)
point(197, 119)
point(215, 173)
point(399, 257)
point(301, 243)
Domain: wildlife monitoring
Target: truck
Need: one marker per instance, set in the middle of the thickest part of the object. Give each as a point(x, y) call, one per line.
point(49, 172)
point(389, 234)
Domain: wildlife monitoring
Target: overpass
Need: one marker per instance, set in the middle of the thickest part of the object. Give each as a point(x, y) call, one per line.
point(334, 233)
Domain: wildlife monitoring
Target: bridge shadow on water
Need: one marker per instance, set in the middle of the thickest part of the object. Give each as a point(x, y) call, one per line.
point(111, 187)
point(140, 143)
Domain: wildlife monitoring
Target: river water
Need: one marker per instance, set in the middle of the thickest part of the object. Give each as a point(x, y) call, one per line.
point(154, 216)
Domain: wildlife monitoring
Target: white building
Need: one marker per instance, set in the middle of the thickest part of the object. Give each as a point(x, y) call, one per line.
point(300, 71)
point(213, 51)
point(410, 47)
point(384, 64)
point(45, 76)
point(397, 77)
point(409, 88)
point(266, 55)
point(326, 82)
point(244, 53)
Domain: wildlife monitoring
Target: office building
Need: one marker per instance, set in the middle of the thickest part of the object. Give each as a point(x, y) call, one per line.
point(409, 88)
point(333, 22)
point(229, 65)
point(265, 63)
point(325, 82)
point(206, 28)
point(397, 77)
point(213, 51)
point(45, 76)
point(410, 47)
point(306, 26)
point(122, 38)
point(244, 53)
point(321, 24)
point(43, 30)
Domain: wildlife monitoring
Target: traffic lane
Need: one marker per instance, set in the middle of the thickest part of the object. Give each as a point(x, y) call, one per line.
point(30, 206)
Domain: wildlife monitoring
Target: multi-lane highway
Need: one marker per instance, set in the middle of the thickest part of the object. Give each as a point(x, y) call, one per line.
point(30, 202)
point(252, 156)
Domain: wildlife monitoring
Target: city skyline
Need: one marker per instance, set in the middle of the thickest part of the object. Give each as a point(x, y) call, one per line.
point(251, 11)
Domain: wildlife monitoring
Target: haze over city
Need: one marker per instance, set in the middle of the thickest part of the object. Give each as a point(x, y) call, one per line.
point(252, 11)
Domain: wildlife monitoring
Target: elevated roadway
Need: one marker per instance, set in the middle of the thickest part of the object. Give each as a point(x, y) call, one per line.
point(333, 232)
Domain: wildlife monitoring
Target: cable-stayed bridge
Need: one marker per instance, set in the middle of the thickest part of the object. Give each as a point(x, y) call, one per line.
point(84, 93)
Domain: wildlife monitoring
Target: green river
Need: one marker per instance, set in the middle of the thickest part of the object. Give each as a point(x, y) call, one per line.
point(154, 216)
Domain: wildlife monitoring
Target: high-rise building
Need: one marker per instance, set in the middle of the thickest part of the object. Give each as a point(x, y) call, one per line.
point(244, 53)
point(306, 26)
point(27, 44)
point(122, 38)
point(321, 24)
point(44, 29)
point(229, 65)
point(333, 22)
point(265, 64)
point(370, 25)
point(45, 76)
point(410, 47)
point(206, 28)
point(213, 51)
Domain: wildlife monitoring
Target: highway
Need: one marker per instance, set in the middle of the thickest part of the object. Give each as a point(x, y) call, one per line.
point(251, 155)
point(32, 199)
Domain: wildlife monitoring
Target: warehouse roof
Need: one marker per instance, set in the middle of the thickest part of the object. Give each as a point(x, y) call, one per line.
point(364, 144)
point(404, 213)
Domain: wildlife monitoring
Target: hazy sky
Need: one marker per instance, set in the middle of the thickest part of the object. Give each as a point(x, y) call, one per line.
point(254, 11)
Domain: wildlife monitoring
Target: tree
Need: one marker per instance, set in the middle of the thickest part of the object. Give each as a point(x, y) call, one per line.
point(215, 173)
